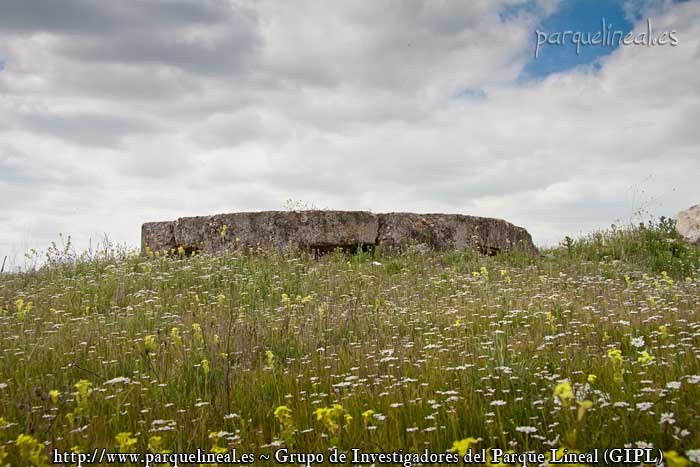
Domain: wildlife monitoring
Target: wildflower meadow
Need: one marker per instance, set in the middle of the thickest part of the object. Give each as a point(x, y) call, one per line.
point(593, 344)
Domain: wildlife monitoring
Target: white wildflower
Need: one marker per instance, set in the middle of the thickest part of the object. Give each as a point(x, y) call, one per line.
point(526, 429)
point(118, 379)
point(644, 406)
point(638, 342)
point(693, 455)
point(667, 417)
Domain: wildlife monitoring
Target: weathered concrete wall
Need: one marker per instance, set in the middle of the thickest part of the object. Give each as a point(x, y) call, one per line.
point(277, 229)
point(327, 230)
point(158, 236)
point(451, 232)
point(688, 224)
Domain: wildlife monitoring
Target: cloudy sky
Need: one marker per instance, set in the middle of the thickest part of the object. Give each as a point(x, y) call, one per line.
point(117, 113)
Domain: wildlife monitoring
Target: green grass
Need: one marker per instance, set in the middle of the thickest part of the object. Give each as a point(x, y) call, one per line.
point(398, 351)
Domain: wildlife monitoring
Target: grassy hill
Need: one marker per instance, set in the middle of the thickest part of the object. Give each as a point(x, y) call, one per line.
point(592, 345)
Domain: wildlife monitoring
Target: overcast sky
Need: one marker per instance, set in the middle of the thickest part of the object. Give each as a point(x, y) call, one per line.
point(117, 113)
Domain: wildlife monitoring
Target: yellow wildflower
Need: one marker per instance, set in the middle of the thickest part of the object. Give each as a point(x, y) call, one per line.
point(84, 389)
point(645, 357)
point(149, 343)
point(615, 355)
point(330, 416)
point(673, 459)
point(270, 358)
point(31, 449)
point(215, 448)
point(197, 333)
point(563, 391)
point(463, 445)
point(22, 308)
point(582, 407)
point(283, 414)
point(155, 445)
point(125, 442)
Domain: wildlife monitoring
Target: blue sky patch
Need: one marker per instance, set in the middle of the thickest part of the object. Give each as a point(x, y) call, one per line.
point(575, 16)
point(512, 11)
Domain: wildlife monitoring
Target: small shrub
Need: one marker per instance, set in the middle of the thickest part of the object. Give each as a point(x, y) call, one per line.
point(655, 246)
